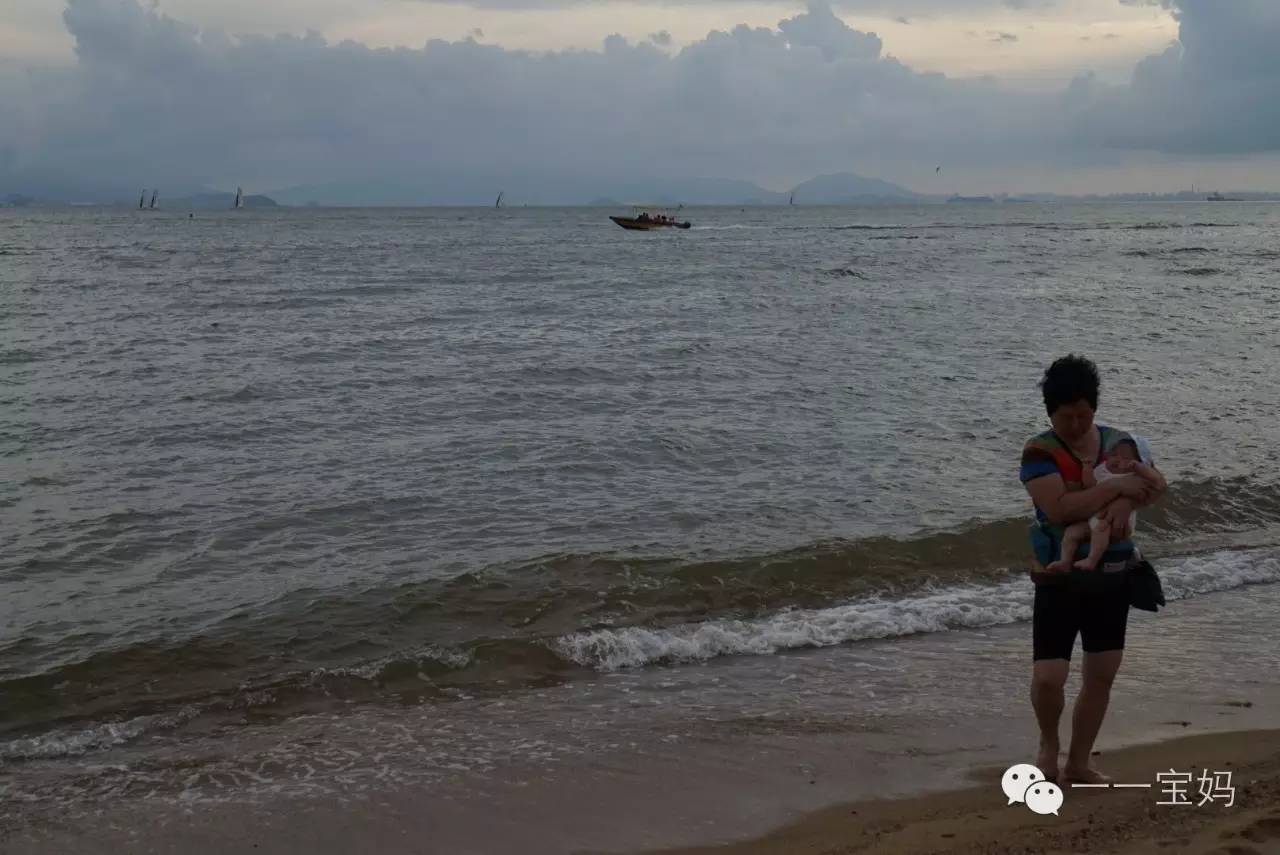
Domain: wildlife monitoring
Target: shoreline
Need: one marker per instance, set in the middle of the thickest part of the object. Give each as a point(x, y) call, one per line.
point(1131, 821)
point(722, 756)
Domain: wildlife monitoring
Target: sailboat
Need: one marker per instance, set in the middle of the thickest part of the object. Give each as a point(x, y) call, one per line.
point(793, 199)
point(142, 200)
point(154, 194)
point(498, 204)
point(239, 203)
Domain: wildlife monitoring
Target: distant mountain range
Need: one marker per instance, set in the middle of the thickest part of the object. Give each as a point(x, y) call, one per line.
point(843, 188)
point(220, 200)
point(196, 201)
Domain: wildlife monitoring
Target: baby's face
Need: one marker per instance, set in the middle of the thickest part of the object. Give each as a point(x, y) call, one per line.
point(1121, 458)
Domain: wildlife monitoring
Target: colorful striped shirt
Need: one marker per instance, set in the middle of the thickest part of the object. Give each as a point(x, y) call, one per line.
point(1046, 454)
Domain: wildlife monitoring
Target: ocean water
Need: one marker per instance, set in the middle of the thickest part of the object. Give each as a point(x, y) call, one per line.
point(262, 466)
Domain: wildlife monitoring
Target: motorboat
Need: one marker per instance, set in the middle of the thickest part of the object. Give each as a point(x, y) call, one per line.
point(644, 220)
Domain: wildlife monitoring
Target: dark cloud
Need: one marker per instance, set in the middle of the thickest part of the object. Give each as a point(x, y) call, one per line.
point(902, 19)
point(1003, 37)
point(152, 101)
point(1212, 92)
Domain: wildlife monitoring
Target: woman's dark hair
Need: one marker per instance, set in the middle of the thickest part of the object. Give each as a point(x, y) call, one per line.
point(1069, 379)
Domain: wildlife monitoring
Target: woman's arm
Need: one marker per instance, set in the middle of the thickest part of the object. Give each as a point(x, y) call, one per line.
point(1156, 485)
point(1050, 494)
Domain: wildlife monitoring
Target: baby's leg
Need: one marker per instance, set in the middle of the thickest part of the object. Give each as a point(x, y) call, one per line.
point(1099, 540)
point(1072, 536)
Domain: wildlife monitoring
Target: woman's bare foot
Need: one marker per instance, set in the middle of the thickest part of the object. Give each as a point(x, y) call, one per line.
point(1087, 775)
point(1086, 564)
point(1047, 762)
point(1062, 565)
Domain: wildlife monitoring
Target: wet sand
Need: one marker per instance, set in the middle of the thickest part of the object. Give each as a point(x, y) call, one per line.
point(976, 820)
point(1131, 821)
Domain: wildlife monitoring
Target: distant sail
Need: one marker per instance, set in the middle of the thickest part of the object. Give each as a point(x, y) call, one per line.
point(142, 200)
point(239, 203)
point(793, 199)
point(498, 204)
point(154, 194)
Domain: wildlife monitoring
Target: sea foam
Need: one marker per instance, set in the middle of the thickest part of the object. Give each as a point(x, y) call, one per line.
point(933, 610)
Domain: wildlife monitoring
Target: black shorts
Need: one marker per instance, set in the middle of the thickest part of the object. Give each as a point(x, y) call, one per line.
point(1061, 610)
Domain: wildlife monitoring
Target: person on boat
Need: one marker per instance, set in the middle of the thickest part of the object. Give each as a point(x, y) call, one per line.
point(1091, 603)
point(643, 218)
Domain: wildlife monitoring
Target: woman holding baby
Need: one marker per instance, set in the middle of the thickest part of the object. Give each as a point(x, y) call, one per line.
point(1085, 480)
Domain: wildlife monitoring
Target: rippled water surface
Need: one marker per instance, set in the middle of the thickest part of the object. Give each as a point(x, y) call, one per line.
point(277, 458)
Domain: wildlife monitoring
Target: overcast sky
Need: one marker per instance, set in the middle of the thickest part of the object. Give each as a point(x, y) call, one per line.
point(453, 99)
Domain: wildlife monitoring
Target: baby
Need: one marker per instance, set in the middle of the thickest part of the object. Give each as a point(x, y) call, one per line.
point(1121, 460)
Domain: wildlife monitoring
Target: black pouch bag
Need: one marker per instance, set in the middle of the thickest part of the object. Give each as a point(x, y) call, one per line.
point(1145, 591)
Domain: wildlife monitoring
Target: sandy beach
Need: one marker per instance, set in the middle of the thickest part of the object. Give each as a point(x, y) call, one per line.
point(975, 820)
point(1131, 821)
